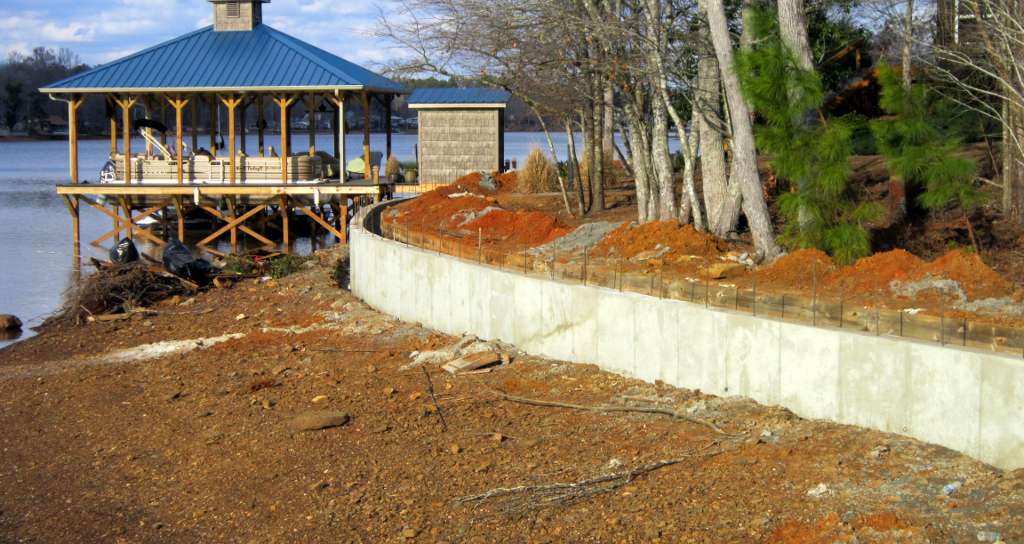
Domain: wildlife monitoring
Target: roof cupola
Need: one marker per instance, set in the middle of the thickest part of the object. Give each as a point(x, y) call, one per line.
point(237, 15)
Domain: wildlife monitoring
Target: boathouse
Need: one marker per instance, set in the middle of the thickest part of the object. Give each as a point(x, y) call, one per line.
point(461, 130)
point(241, 71)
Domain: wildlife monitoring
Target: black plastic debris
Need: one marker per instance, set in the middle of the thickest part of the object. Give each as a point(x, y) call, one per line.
point(179, 261)
point(124, 252)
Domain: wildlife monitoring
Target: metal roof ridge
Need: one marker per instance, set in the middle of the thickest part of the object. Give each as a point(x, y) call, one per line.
point(54, 86)
point(289, 42)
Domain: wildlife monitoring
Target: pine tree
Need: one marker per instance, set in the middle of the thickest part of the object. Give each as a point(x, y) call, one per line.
point(921, 149)
point(804, 148)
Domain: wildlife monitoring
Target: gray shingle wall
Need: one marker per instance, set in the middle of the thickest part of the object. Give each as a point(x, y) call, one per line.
point(453, 143)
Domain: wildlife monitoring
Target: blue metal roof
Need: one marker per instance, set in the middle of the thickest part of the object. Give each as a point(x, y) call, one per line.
point(205, 60)
point(454, 95)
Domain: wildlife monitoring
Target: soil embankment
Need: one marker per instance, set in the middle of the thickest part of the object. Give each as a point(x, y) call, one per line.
point(184, 425)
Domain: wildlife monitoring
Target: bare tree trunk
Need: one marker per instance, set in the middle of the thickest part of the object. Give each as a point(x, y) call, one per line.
point(655, 46)
point(607, 139)
point(627, 156)
point(587, 120)
point(1013, 161)
point(793, 30)
point(707, 116)
point(641, 166)
point(688, 203)
point(908, 40)
point(574, 164)
point(597, 179)
point(744, 163)
point(554, 157)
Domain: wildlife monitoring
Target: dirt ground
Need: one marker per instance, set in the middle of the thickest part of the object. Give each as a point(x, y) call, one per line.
point(101, 444)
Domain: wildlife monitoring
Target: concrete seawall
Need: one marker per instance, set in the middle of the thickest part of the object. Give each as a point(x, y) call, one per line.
point(969, 401)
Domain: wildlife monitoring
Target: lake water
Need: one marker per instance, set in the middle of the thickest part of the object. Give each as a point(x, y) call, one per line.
point(38, 261)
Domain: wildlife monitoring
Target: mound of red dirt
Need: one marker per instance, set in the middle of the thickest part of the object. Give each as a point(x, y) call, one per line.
point(517, 227)
point(975, 277)
point(872, 274)
point(630, 240)
point(799, 269)
point(468, 209)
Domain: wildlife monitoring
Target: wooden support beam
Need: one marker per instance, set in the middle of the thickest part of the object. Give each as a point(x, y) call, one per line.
point(134, 219)
point(312, 102)
point(387, 124)
point(216, 213)
point(127, 104)
point(231, 102)
point(233, 223)
point(73, 104)
point(112, 113)
point(339, 138)
point(194, 129)
point(261, 124)
point(322, 222)
point(367, 172)
point(126, 223)
point(242, 109)
point(284, 224)
point(179, 208)
point(147, 105)
point(284, 102)
point(72, 205)
point(214, 121)
point(178, 104)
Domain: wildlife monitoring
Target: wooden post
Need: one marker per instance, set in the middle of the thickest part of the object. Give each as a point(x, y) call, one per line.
point(283, 102)
point(387, 123)
point(113, 128)
point(73, 105)
point(126, 120)
point(231, 102)
point(242, 109)
point(163, 120)
point(179, 207)
point(195, 124)
point(178, 104)
point(367, 171)
point(147, 104)
point(312, 102)
point(260, 123)
point(213, 125)
point(339, 138)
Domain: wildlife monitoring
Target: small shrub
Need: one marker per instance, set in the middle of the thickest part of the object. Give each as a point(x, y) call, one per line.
point(538, 174)
point(286, 265)
point(607, 171)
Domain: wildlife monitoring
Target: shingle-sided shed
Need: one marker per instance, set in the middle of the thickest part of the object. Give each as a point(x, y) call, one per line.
point(460, 131)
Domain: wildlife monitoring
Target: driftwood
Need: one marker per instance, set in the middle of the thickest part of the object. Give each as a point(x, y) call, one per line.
point(606, 408)
point(527, 497)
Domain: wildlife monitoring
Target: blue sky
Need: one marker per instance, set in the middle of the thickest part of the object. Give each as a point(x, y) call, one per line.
point(103, 30)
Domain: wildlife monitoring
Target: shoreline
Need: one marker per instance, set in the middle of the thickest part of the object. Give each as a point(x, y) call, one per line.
point(199, 445)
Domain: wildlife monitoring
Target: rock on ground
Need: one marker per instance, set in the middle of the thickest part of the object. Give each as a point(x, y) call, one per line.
point(319, 419)
point(9, 322)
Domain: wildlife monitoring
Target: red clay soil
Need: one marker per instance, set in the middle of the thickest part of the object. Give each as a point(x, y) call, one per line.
point(975, 277)
point(517, 227)
point(871, 275)
point(630, 240)
point(796, 270)
point(464, 216)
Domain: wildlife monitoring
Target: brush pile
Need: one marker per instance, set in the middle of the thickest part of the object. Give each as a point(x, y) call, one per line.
point(121, 289)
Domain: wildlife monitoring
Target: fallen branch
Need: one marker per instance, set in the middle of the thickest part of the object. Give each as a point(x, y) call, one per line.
point(610, 408)
point(433, 397)
point(526, 497)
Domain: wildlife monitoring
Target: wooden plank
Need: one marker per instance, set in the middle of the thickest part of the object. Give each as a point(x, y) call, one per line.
point(216, 213)
point(134, 219)
point(126, 223)
point(315, 217)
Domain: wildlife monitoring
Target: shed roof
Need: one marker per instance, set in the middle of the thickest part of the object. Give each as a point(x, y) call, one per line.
point(263, 59)
point(458, 96)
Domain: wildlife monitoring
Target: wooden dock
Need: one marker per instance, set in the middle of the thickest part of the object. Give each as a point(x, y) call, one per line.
point(236, 209)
